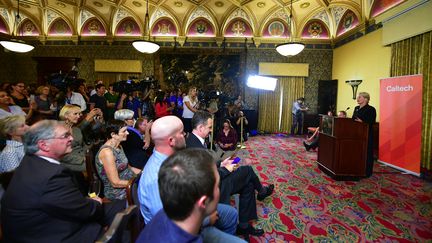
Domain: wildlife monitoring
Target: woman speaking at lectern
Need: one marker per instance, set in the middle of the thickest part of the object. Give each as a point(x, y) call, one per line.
point(367, 114)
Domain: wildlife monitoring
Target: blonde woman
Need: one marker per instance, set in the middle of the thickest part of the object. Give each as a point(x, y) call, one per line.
point(71, 115)
point(13, 128)
point(190, 106)
point(367, 114)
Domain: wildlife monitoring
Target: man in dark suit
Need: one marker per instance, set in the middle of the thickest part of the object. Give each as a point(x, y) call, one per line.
point(42, 203)
point(234, 180)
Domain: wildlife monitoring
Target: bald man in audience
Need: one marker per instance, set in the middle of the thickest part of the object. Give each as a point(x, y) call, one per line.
point(42, 203)
point(168, 136)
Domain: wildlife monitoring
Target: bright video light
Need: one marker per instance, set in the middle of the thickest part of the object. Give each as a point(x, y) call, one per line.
point(260, 82)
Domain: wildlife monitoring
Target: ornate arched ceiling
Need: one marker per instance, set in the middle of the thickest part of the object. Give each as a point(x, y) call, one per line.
point(266, 21)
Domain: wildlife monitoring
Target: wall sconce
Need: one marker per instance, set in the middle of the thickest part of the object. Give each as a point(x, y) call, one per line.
point(354, 85)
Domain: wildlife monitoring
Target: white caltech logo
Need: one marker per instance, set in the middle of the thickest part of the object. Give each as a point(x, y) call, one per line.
point(397, 88)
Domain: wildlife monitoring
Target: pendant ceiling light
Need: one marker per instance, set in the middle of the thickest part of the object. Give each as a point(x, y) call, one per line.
point(146, 46)
point(291, 48)
point(14, 44)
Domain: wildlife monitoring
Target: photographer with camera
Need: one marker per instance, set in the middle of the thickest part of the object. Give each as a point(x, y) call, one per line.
point(98, 100)
point(75, 160)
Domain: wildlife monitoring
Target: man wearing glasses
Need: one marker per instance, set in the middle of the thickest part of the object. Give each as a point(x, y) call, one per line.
point(42, 203)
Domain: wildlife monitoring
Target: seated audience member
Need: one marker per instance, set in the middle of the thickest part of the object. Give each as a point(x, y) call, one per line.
point(168, 136)
point(227, 137)
point(242, 180)
point(342, 114)
point(143, 125)
point(13, 128)
point(8, 109)
point(18, 95)
point(71, 114)
point(180, 220)
point(42, 204)
point(112, 164)
point(43, 102)
point(138, 139)
point(312, 141)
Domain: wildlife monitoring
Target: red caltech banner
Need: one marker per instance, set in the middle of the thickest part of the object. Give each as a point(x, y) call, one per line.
point(401, 122)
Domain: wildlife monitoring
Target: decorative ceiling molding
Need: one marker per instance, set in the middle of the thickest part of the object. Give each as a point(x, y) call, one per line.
point(5, 14)
point(199, 12)
point(85, 15)
point(120, 15)
point(221, 14)
point(338, 12)
point(323, 16)
point(50, 17)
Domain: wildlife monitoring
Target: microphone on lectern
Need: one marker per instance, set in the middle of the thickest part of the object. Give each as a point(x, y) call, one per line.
point(347, 108)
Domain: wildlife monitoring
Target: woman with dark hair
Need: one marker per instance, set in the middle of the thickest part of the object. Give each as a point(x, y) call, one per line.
point(227, 137)
point(18, 96)
point(112, 163)
point(8, 109)
point(162, 108)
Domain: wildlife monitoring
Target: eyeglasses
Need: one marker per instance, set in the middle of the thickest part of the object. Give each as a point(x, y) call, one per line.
point(64, 136)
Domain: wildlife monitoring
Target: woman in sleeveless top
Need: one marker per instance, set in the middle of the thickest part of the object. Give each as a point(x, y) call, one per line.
point(112, 164)
point(190, 106)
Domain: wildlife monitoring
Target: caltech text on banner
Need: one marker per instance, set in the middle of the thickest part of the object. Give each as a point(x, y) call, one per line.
point(401, 122)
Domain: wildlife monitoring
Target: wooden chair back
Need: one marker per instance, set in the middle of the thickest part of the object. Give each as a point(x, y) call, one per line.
point(122, 221)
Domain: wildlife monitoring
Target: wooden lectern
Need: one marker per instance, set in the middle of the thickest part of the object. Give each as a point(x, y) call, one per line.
point(342, 148)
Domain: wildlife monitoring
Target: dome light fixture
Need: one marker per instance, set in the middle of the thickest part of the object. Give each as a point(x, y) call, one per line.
point(146, 46)
point(291, 48)
point(15, 44)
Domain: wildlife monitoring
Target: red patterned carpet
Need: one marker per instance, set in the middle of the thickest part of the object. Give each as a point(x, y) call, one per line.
point(308, 206)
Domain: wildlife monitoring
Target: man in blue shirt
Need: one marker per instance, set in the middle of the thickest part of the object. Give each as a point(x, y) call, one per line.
point(189, 189)
point(297, 114)
point(168, 137)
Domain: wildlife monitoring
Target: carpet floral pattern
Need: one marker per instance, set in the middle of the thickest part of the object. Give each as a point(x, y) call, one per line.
point(309, 206)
